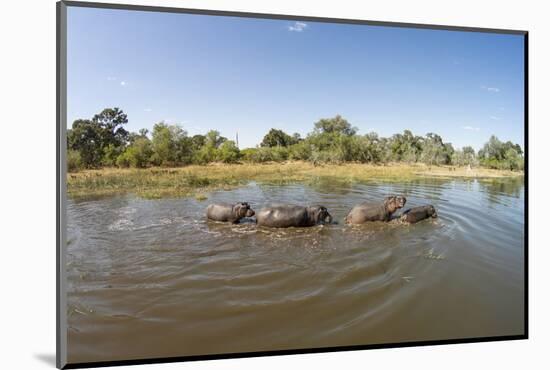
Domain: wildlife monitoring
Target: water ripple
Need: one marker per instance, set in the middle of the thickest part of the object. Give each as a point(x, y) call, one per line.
point(142, 269)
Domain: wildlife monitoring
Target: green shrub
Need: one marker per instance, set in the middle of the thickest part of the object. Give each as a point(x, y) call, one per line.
point(206, 154)
point(300, 151)
point(110, 154)
point(228, 152)
point(136, 155)
point(266, 154)
point(74, 162)
point(248, 154)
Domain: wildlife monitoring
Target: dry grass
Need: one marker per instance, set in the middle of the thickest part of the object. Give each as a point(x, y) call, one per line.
point(198, 180)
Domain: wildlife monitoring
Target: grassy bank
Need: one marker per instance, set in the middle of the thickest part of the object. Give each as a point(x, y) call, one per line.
point(197, 181)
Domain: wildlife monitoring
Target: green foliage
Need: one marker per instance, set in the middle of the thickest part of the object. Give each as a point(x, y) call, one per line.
point(137, 155)
point(205, 155)
point(499, 155)
point(300, 151)
point(464, 157)
point(228, 152)
point(85, 137)
point(111, 121)
point(435, 152)
point(248, 154)
point(110, 154)
point(103, 135)
point(213, 147)
point(214, 139)
point(198, 141)
point(171, 145)
point(277, 137)
point(74, 162)
point(334, 125)
point(407, 147)
point(103, 141)
point(265, 154)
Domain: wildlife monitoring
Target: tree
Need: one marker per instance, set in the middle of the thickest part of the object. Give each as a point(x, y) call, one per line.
point(277, 137)
point(137, 154)
point(142, 133)
point(111, 121)
point(101, 139)
point(334, 125)
point(214, 139)
point(110, 154)
point(300, 151)
point(170, 145)
point(368, 149)
point(496, 154)
point(513, 159)
point(434, 151)
point(198, 141)
point(464, 157)
point(228, 152)
point(86, 138)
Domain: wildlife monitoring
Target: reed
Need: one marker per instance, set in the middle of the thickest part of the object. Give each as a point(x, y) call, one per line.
point(197, 180)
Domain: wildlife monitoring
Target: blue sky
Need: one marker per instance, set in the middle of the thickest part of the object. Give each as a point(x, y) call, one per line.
point(249, 75)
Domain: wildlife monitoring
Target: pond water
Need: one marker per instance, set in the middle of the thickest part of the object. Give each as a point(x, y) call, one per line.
point(153, 278)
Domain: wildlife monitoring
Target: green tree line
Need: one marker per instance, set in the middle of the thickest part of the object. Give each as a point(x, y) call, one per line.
point(103, 141)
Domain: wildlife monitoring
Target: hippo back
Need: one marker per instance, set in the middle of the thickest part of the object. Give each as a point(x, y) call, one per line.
point(368, 211)
point(220, 212)
point(283, 216)
point(416, 214)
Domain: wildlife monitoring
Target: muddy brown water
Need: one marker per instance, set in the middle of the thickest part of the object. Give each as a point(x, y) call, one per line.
point(153, 278)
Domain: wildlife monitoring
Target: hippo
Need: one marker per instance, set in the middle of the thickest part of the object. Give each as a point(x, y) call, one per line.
point(285, 215)
point(227, 212)
point(416, 214)
point(375, 211)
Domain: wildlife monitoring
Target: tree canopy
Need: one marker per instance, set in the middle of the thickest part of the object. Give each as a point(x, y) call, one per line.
point(103, 141)
point(336, 124)
point(277, 137)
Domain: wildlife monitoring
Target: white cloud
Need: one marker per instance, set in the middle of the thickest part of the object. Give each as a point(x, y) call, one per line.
point(470, 128)
point(490, 89)
point(122, 83)
point(148, 110)
point(110, 78)
point(494, 118)
point(298, 27)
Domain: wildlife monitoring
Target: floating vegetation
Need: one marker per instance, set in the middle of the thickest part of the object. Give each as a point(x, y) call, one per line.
point(200, 197)
point(80, 311)
point(433, 256)
point(408, 279)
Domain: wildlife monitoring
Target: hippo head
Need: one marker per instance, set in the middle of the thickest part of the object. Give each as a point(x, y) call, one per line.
point(321, 215)
point(432, 212)
point(243, 210)
point(393, 203)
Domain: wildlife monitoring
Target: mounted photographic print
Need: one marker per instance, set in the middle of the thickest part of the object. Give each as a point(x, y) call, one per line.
point(235, 184)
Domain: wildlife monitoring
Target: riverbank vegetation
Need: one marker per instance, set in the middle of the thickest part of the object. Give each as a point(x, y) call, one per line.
point(198, 180)
point(102, 141)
